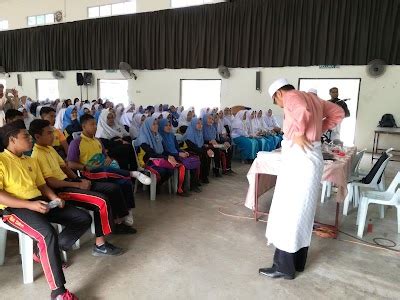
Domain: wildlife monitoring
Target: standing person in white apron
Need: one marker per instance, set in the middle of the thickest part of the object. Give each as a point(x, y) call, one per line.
point(297, 190)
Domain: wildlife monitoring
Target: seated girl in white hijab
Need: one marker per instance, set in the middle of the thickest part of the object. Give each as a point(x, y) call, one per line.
point(127, 116)
point(116, 140)
point(28, 117)
point(137, 122)
point(184, 120)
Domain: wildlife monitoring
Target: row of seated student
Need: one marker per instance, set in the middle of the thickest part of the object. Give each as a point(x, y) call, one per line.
point(31, 184)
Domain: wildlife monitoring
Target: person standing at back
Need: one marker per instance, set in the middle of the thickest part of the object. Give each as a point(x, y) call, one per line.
point(334, 133)
point(297, 190)
point(7, 102)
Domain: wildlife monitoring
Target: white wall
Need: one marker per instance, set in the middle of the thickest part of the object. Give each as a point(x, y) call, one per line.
point(377, 95)
point(17, 11)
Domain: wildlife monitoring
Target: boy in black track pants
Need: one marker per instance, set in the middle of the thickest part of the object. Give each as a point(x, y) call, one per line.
point(24, 198)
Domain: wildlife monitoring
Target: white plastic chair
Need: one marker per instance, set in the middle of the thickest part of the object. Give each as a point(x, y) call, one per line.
point(355, 164)
point(326, 190)
point(153, 184)
point(390, 197)
point(353, 187)
point(77, 244)
point(327, 186)
point(25, 249)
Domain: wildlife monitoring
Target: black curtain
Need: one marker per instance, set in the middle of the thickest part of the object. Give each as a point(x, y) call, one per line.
point(242, 33)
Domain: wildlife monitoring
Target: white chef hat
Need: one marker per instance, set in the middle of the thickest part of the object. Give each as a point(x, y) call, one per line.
point(314, 91)
point(276, 85)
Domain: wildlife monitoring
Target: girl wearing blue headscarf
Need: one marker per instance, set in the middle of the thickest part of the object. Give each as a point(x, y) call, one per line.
point(224, 139)
point(195, 142)
point(189, 162)
point(70, 122)
point(156, 159)
point(210, 139)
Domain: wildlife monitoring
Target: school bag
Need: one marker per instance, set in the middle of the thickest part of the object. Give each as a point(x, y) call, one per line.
point(387, 120)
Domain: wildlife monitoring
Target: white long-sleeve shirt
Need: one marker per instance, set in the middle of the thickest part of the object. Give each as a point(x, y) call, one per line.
point(271, 122)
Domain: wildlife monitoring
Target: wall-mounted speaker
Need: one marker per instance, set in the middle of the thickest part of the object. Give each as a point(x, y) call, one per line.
point(19, 79)
point(88, 78)
point(258, 81)
point(79, 79)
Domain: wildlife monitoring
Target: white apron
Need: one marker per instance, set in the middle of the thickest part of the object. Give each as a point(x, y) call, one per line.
point(297, 191)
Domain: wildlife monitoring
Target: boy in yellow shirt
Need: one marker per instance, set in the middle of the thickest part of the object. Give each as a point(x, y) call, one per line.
point(88, 155)
point(103, 198)
point(60, 141)
point(25, 205)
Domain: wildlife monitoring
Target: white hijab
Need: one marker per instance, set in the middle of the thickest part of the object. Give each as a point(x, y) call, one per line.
point(239, 123)
point(127, 116)
point(28, 120)
point(118, 113)
point(253, 128)
point(59, 106)
point(38, 108)
point(183, 119)
point(204, 111)
point(105, 131)
point(59, 119)
point(135, 126)
point(165, 114)
point(261, 122)
point(156, 115)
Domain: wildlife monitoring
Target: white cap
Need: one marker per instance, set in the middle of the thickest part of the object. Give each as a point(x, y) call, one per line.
point(276, 85)
point(314, 91)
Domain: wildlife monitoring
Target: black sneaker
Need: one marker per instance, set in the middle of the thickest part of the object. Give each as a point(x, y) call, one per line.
point(196, 189)
point(106, 249)
point(205, 181)
point(124, 229)
point(183, 194)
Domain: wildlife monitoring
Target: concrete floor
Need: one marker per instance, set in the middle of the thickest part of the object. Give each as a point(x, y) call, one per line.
point(187, 249)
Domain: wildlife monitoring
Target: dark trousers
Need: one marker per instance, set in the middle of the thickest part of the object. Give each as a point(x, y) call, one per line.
point(38, 227)
point(205, 162)
point(228, 157)
point(121, 178)
point(289, 263)
point(96, 202)
point(217, 158)
point(125, 156)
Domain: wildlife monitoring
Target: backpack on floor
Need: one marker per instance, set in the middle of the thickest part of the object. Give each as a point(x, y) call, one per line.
point(387, 120)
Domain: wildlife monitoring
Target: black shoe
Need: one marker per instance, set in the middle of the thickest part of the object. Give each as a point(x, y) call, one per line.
point(205, 180)
point(196, 189)
point(300, 270)
point(231, 172)
point(183, 194)
point(106, 249)
point(216, 173)
point(272, 273)
point(124, 229)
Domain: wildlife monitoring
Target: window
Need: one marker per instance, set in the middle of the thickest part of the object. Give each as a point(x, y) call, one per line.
point(348, 89)
point(200, 94)
point(40, 20)
point(105, 10)
point(122, 8)
point(183, 3)
point(3, 25)
point(47, 89)
point(93, 12)
point(114, 90)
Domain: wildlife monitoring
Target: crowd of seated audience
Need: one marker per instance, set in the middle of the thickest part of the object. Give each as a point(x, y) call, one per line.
point(61, 156)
